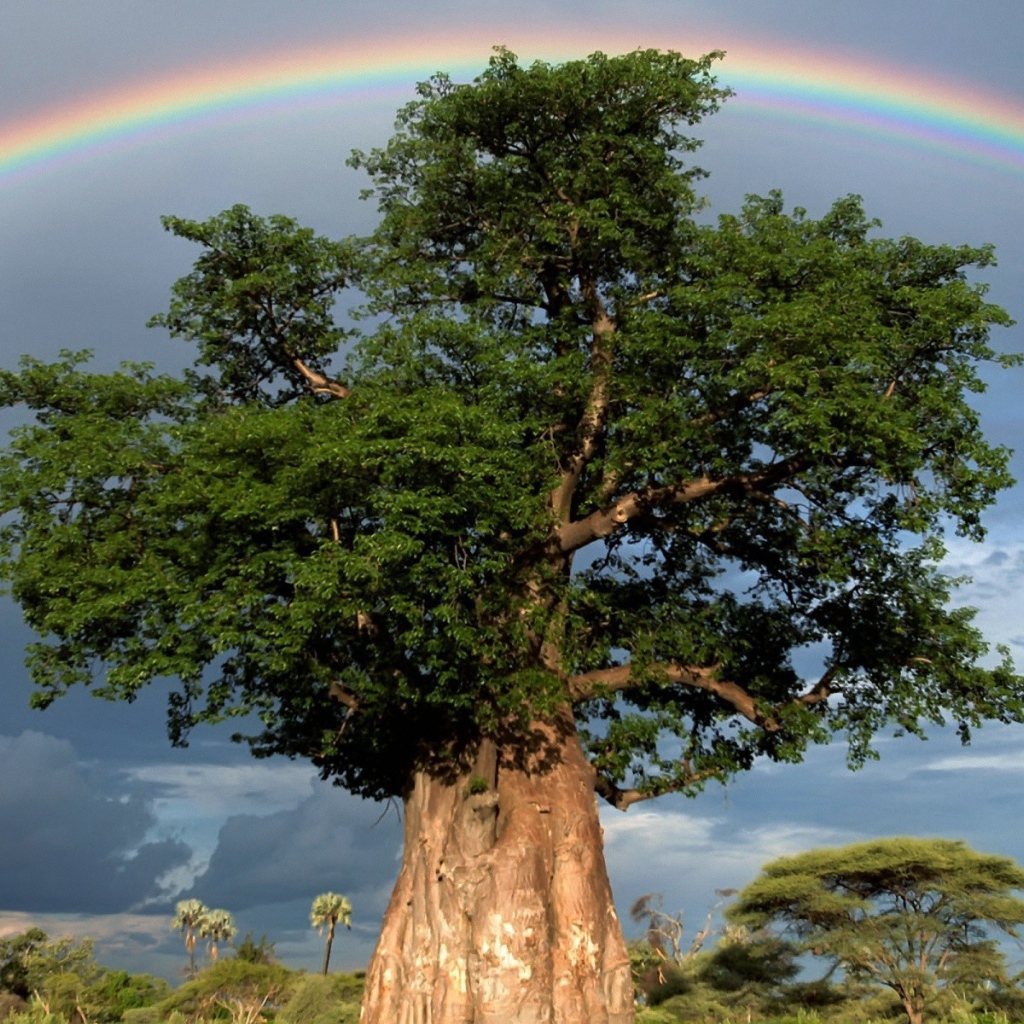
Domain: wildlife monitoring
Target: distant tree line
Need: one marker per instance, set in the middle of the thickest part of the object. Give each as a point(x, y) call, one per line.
point(899, 927)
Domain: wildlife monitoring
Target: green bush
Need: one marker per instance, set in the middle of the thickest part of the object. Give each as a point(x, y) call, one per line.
point(10, 1003)
point(230, 990)
point(323, 999)
point(35, 1014)
point(143, 1015)
point(118, 992)
point(656, 1015)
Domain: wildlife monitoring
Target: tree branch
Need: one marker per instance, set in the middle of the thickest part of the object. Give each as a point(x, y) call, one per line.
point(616, 680)
point(603, 682)
point(605, 521)
point(821, 690)
point(737, 404)
point(622, 799)
point(592, 422)
point(344, 696)
point(319, 384)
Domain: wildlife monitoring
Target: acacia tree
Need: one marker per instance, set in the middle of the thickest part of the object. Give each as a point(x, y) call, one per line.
point(906, 913)
point(328, 911)
point(557, 522)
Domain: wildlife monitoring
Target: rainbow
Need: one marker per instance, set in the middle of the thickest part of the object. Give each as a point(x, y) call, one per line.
point(772, 80)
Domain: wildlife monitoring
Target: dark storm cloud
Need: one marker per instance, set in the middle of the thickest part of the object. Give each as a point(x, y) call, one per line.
point(331, 841)
point(68, 843)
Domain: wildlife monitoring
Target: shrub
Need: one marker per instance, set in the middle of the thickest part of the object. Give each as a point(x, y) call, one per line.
point(231, 990)
point(142, 1015)
point(10, 1003)
point(323, 999)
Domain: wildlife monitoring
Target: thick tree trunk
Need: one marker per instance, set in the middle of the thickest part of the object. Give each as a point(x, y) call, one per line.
point(502, 913)
point(913, 1005)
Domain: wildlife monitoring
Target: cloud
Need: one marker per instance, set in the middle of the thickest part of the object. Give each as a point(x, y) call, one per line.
point(1010, 762)
point(193, 800)
point(330, 841)
point(996, 586)
point(687, 857)
point(71, 842)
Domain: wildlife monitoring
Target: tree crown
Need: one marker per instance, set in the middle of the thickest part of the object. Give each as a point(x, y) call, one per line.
point(908, 913)
point(590, 452)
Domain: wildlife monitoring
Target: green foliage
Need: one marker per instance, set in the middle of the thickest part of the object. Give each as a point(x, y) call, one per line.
point(117, 993)
point(323, 999)
point(911, 914)
point(329, 909)
point(750, 962)
point(254, 952)
point(10, 1004)
point(477, 784)
point(656, 1015)
point(15, 952)
point(754, 432)
point(142, 1015)
point(700, 1005)
point(36, 1014)
point(63, 979)
point(259, 298)
point(231, 989)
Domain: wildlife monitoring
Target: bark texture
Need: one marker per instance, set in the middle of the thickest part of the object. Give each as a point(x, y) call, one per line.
point(502, 912)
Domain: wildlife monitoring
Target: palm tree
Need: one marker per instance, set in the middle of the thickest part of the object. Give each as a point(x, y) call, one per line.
point(217, 926)
point(328, 909)
point(188, 917)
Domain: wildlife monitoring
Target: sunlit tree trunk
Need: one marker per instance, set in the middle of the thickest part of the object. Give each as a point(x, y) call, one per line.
point(327, 947)
point(502, 913)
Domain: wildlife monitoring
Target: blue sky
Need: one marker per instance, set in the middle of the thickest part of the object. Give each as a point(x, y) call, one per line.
point(104, 825)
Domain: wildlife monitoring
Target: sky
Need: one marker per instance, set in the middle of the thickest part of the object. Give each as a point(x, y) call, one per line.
point(103, 826)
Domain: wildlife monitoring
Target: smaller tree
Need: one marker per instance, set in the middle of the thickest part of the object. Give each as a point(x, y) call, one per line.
point(188, 916)
point(63, 975)
point(230, 989)
point(328, 910)
point(910, 914)
point(14, 955)
point(217, 926)
point(252, 952)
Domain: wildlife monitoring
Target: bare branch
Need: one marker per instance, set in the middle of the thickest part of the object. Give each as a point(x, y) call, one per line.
point(623, 799)
point(595, 414)
point(319, 384)
point(821, 690)
point(620, 799)
point(616, 680)
point(344, 696)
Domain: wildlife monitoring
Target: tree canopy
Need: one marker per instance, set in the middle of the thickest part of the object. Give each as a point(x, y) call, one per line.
point(741, 428)
point(907, 913)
